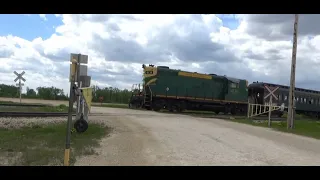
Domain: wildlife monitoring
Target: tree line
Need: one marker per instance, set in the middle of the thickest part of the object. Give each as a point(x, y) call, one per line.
point(109, 94)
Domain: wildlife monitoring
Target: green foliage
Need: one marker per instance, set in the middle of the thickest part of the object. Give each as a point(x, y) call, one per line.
point(9, 91)
point(109, 94)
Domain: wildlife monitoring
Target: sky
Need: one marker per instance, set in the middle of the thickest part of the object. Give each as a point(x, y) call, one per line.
point(253, 47)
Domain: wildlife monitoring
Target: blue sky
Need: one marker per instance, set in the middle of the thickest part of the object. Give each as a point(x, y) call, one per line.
point(229, 21)
point(28, 26)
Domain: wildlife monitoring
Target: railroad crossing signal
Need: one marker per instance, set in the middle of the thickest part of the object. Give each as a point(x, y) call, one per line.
point(271, 94)
point(271, 91)
point(19, 76)
point(82, 93)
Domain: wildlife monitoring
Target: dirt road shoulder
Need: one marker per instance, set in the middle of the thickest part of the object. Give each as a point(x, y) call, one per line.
point(124, 146)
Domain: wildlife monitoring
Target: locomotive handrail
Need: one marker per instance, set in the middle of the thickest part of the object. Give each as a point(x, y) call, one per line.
point(150, 93)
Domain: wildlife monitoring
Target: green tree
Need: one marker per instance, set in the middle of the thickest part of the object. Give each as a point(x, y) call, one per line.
point(109, 94)
point(31, 93)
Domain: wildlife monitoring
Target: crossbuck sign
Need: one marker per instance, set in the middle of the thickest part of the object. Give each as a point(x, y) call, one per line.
point(19, 77)
point(271, 92)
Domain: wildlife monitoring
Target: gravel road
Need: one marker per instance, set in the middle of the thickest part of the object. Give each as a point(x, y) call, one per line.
point(150, 138)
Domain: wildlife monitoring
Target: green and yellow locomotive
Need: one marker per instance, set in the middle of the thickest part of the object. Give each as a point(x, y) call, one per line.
point(178, 90)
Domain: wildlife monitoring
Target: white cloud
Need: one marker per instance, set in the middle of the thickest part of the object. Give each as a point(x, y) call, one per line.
point(43, 17)
point(117, 46)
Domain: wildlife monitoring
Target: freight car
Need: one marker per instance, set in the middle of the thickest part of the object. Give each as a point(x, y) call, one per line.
point(178, 90)
point(306, 101)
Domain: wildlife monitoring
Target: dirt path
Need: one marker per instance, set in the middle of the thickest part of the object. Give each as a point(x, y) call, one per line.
point(130, 143)
point(149, 138)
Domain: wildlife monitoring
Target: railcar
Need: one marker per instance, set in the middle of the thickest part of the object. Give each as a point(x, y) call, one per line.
point(306, 101)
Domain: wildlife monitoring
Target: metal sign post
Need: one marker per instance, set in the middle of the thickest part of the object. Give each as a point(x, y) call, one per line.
point(81, 125)
point(19, 77)
point(73, 71)
point(270, 95)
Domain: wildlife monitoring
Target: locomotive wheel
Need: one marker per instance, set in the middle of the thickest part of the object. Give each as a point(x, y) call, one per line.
point(233, 111)
point(135, 106)
point(81, 125)
point(156, 107)
point(182, 106)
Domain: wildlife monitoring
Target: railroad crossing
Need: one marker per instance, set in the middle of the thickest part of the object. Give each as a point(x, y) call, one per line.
point(268, 106)
point(19, 77)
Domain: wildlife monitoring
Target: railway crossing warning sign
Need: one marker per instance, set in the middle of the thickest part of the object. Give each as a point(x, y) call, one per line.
point(19, 77)
point(271, 91)
point(271, 94)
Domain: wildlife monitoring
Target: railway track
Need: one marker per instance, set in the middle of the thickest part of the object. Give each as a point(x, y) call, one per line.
point(34, 114)
point(23, 105)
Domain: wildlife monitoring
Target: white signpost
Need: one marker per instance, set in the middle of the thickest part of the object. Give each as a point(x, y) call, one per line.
point(19, 77)
point(271, 95)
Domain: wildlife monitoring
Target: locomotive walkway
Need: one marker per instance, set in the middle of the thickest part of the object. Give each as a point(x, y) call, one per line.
point(150, 138)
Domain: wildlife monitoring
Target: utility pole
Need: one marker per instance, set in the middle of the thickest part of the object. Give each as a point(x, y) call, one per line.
point(290, 118)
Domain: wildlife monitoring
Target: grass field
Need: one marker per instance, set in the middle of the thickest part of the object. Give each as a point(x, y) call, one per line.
point(306, 127)
point(44, 145)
